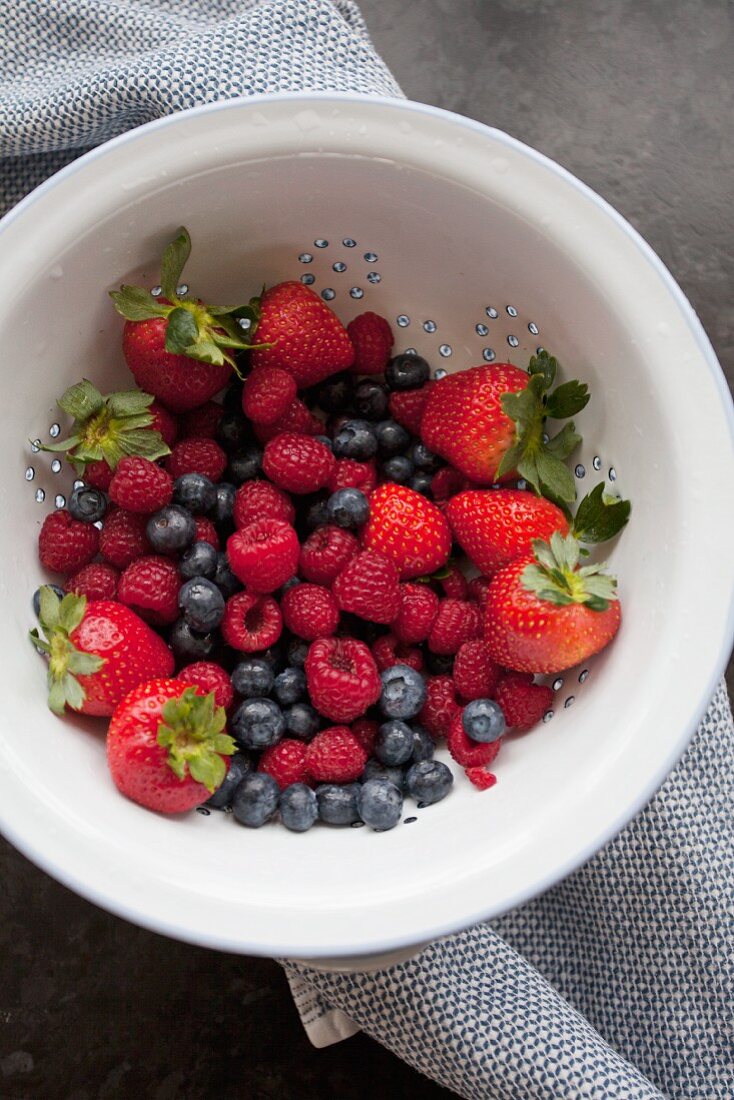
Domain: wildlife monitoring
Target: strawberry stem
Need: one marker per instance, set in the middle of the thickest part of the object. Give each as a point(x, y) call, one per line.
point(555, 575)
point(58, 618)
point(192, 732)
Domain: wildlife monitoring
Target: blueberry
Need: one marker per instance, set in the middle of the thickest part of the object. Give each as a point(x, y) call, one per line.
point(87, 504)
point(245, 465)
point(380, 804)
point(317, 515)
point(239, 766)
point(403, 692)
point(232, 400)
point(255, 799)
point(224, 505)
point(370, 399)
point(37, 597)
point(347, 508)
point(187, 644)
point(483, 720)
point(337, 803)
point(335, 396)
point(355, 439)
point(258, 723)
point(375, 769)
point(421, 483)
point(326, 441)
point(423, 744)
point(233, 431)
point(406, 372)
point(274, 657)
point(195, 493)
point(423, 459)
point(392, 438)
point(394, 742)
point(292, 582)
point(200, 560)
point(253, 677)
point(429, 781)
point(290, 686)
point(224, 578)
point(302, 721)
point(171, 529)
point(202, 604)
point(440, 664)
point(297, 652)
point(298, 808)
point(399, 469)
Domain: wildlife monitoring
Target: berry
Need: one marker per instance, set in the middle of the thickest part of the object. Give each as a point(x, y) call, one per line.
point(264, 554)
point(187, 645)
point(478, 587)
point(350, 474)
point(123, 538)
point(66, 544)
point(337, 804)
point(290, 686)
point(375, 769)
point(255, 799)
point(475, 674)
point(380, 804)
point(407, 406)
point(446, 483)
point(523, 703)
point(171, 529)
point(310, 611)
point(140, 486)
point(285, 761)
point(453, 582)
point(195, 492)
point(197, 456)
point(87, 504)
point(391, 438)
point(368, 586)
point(483, 720)
point(407, 372)
point(440, 664)
point(298, 463)
point(150, 586)
point(421, 483)
point(245, 465)
point(306, 338)
point(347, 508)
point(258, 723)
point(200, 560)
point(456, 622)
point(239, 767)
point(297, 418)
point(370, 400)
point(398, 469)
point(355, 439)
point(209, 676)
point(468, 753)
point(206, 532)
point(96, 581)
point(325, 553)
point(163, 422)
point(301, 720)
point(298, 808)
point(423, 744)
point(297, 652)
point(494, 527)
point(251, 622)
point(394, 743)
point(224, 578)
point(253, 676)
point(365, 730)
point(335, 395)
point(418, 609)
point(98, 474)
point(202, 604)
point(316, 515)
point(267, 394)
point(388, 651)
point(429, 781)
point(372, 340)
point(423, 459)
point(223, 510)
point(403, 692)
point(335, 756)
point(261, 500)
point(342, 678)
point(407, 528)
point(234, 431)
point(201, 423)
point(481, 778)
point(440, 706)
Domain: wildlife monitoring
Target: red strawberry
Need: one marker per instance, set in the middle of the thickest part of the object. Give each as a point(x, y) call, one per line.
point(406, 527)
point(494, 528)
point(489, 421)
point(167, 747)
point(98, 652)
point(306, 338)
point(544, 613)
point(407, 406)
point(372, 339)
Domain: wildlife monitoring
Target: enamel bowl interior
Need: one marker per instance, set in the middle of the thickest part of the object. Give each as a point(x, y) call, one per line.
point(476, 248)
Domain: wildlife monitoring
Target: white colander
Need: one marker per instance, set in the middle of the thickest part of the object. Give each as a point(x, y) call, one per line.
point(476, 248)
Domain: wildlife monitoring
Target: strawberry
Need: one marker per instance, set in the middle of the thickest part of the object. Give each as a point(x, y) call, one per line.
point(305, 337)
point(545, 613)
point(406, 527)
point(494, 528)
point(176, 347)
point(490, 421)
point(167, 746)
point(97, 652)
point(408, 406)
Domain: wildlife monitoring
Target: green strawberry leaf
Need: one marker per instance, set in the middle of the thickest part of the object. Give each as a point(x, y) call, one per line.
point(129, 403)
point(70, 611)
point(600, 517)
point(58, 619)
point(554, 575)
point(544, 365)
point(565, 443)
point(567, 400)
point(144, 442)
point(554, 477)
point(191, 730)
point(173, 262)
point(49, 607)
point(135, 303)
point(182, 331)
point(81, 400)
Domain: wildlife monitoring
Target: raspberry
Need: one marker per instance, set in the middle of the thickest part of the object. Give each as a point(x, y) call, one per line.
point(123, 538)
point(368, 586)
point(268, 394)
point(296, 418)
point(251, 622)
point(468, 753)
point(454, 583)
point(406, 406)
point(140, 486)
point(481, 778)
point(418, 609)
point(298, 463)
point(98, 474)
point(523, 704)
point(456, 622)
point(388, 651)
point(264, 554)
point(209, 676)
point(163, 422)
point(365, 730)
point(335, 756)
point(325, 553)
point(478, 590)
point(202, 422)
point(440, 706)
point(348, 473)
point(372, 340)
point(206, 532)
point(197, 456)
point(261, 500)
point(342, 678)
point(310, 611)
point(446, 483)
point(286, 761)
point(149, 586)
point(96, 581)
point(66, 544)
point(475, 674)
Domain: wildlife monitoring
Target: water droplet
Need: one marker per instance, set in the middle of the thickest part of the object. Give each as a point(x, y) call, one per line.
point(356, 824)
point(429, 326)
point(370, 257)
point(321, 243)
point(30, 473)
point(156, 291)
point(328, 294)
point(374, 277)
point(403, 320)
point(78, 483)
point(558, 684)
point(547, 716)
point(532, 327)
point(40, 496)
point(356, 292)
point(36, 446)
point(56, 466)
point(203, 811)
point(409, 820)
point(59, 500)
point(513, 341)
point(521, 484)
point(583, 675)
point(54, 430)
point(339, 266)
point(481, 330)
point(570, 701)
point(182, 289)
point(539, 350)
point(545, 437)
point(98, 524)
point(307, 280)
point(488, 354)
point(445, 350)
point(612, 474)
point(410, 351)
point(596, 462)
point(492, 312)
point(440, 373)
point(244, 323)
point(512, 311)
point(580, 470)
point(348, 242)
point(305, 258)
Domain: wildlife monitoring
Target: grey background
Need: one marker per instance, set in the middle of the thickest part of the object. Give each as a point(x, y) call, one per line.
point(633, 96)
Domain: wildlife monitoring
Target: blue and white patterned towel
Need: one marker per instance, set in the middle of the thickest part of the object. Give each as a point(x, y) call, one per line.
point(615, 985)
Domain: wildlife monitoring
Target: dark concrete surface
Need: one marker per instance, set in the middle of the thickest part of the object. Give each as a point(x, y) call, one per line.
point(633, 96)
